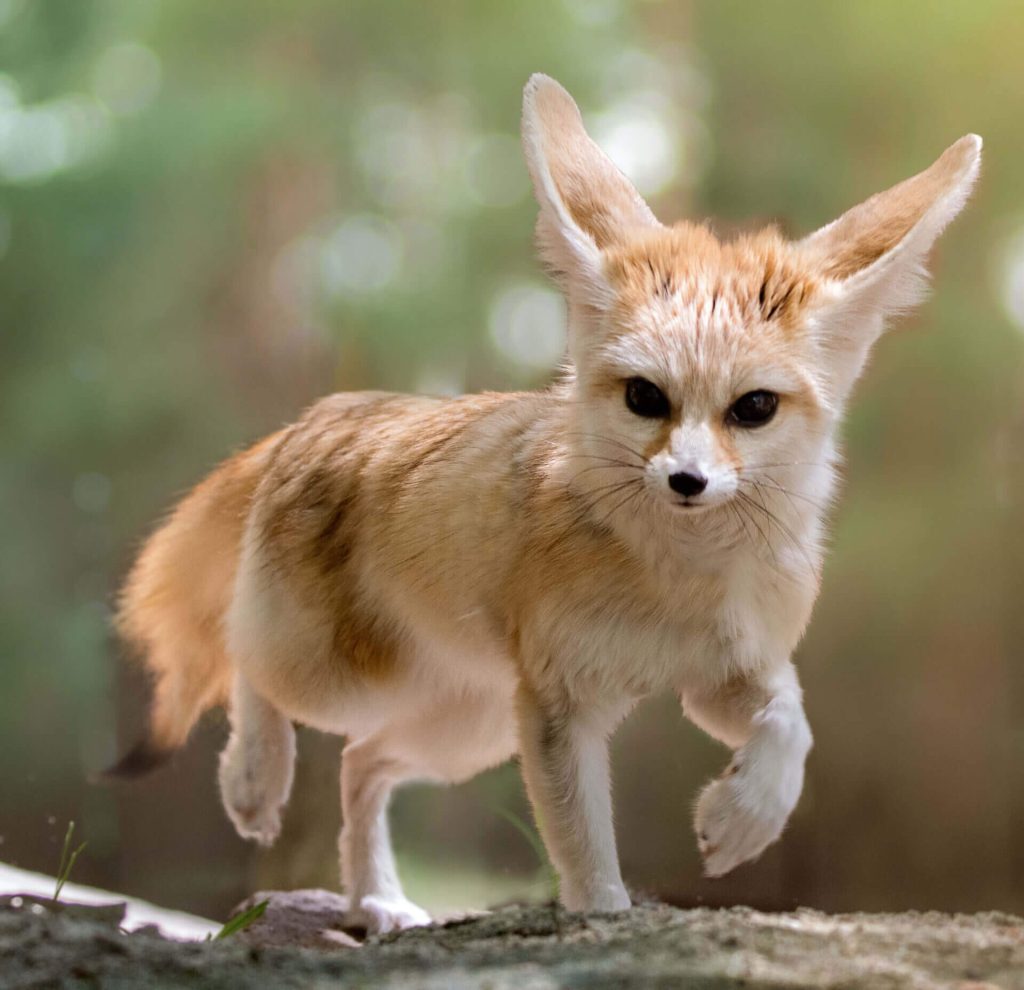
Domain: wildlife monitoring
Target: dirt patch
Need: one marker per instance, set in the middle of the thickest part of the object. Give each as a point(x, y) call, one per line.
point(532, 948)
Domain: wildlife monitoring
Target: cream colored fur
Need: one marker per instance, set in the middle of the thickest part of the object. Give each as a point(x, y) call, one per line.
point(448, 583)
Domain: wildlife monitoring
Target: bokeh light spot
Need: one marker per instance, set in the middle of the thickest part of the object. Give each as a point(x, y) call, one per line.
point(38, 141)
point(126, 77)
point(1012, 280)
point(363, 254)
point(640, 137)
point(594, 13)
point(527, 324)
point(494, 172)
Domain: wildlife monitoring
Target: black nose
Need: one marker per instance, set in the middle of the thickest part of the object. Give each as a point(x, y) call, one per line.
point(686, 483)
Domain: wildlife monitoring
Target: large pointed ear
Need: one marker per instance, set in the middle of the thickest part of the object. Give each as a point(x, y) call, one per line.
point(872, 259)
point(586, 203)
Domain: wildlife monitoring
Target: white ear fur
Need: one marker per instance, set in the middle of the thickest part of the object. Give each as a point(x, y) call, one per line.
point(873, 257)
point(585, 201)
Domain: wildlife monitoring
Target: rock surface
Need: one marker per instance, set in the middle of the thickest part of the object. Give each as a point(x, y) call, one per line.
point(531, 948)
point(307, 919)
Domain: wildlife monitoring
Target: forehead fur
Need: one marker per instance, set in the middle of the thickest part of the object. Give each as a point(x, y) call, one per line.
point(757, 278)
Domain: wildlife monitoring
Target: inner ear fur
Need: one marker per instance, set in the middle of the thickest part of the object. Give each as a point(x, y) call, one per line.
point(916, 210)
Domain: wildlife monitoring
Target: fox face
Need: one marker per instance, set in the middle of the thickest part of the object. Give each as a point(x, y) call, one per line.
point(700, 378)
point(708, 375)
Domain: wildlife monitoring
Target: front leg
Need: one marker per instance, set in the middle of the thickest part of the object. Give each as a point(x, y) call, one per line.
point(743, 811)
point(564, 755)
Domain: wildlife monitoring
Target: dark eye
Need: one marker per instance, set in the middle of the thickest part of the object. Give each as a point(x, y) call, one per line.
point(645, 398)
point(754, 408)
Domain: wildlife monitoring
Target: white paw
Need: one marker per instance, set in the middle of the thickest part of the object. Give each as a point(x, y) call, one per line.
point(380, 915)
point(254, 809)
point(741, 814)
point(602, 899)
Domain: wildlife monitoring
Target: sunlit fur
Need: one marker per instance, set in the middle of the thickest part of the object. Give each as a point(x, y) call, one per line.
point(451, 582)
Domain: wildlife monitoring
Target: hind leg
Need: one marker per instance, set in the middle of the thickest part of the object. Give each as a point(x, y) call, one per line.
point(448, 742)
point(369, 773)
point(257, 764)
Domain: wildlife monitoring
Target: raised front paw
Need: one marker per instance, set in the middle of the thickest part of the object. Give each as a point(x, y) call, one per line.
point(380, 915)
point(739, 815)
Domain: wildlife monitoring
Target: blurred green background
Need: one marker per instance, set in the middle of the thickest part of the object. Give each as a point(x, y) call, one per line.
point(212, 213)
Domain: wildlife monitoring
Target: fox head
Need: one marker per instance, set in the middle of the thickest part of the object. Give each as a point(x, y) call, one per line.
point(703, 371)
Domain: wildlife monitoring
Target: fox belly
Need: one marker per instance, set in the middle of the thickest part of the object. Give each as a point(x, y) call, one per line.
point(371, 672)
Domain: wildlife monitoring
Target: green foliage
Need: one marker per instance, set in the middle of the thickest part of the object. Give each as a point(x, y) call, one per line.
point(67, 860)
point(241, 921)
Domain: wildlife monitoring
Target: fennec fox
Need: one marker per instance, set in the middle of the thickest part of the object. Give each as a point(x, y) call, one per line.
point(451, 582)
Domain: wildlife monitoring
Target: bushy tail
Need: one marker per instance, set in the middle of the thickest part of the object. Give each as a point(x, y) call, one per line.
point(172, 606)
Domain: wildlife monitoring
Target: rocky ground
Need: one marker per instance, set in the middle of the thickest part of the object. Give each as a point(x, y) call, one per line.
point(534, 948)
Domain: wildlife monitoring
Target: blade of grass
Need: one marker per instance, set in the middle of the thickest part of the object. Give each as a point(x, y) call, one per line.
point(67, 860)
point(551, 875)
point(242, 920)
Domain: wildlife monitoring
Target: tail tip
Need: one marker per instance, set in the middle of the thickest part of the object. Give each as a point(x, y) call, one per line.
point(143, 758)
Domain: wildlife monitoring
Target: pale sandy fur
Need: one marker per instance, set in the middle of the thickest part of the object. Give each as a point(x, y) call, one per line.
point(450, 582)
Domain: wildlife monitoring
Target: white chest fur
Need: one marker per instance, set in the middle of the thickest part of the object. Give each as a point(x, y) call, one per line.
point(683, 629)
